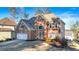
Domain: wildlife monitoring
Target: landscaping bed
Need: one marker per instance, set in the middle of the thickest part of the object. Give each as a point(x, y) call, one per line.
point(57, 42)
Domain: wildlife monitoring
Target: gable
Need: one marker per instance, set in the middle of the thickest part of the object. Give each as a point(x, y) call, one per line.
point(39, 20)
point(24, 24)
point(36, 18)
point(49, 17)
point(21, 25)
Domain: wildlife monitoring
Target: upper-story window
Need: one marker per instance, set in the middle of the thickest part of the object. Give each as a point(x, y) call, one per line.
point(41, 27)
point(54, 25)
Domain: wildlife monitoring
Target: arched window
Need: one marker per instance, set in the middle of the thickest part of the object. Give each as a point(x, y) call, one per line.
point(41, 27)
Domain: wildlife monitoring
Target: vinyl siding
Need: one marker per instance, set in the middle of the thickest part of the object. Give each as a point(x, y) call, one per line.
point(11, 27)
point(5, 35)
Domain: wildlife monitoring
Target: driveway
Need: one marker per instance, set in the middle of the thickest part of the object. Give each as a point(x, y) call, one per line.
point(10, 45)
point(21, 45)
point(17, 45)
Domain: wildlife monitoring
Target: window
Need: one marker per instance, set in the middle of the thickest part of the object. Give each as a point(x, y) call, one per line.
point(56, 25)
point(41, 27)
point(52, 35)
point(51, 25)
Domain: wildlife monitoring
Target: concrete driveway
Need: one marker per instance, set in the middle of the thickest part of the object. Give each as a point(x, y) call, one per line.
point(10, 45)
point(18, 45)
point(21, 45)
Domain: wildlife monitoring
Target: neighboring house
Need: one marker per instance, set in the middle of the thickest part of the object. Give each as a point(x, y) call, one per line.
point(7, 28)
point(69, 35)
point(40, 27)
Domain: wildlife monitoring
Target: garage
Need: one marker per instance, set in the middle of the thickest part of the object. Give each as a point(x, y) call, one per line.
point(22, 36)
point(5, 35)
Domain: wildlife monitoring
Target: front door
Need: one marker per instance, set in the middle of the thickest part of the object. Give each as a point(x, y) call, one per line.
point(40, 35)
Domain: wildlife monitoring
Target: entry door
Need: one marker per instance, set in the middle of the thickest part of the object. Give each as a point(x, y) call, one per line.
point(40, 35)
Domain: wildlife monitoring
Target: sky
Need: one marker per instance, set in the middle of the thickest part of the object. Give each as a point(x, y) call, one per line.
point(68, 14)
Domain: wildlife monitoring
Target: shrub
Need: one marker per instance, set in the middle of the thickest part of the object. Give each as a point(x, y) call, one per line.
point(1, 40)
point(9, 39)
point(64, 43)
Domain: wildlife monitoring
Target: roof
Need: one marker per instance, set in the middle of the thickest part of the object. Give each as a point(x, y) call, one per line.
point(28, 23)
point(47, 17)
point(50, 17)
point(5, 29)
point(7, 21)
point(31, 20)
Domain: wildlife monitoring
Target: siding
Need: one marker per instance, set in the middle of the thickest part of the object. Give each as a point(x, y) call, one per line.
point(5, 35)
point(32, 34)
point(11, 27)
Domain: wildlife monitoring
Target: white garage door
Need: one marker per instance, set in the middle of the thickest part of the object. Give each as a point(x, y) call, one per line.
point(22, 36)
point(69, 37)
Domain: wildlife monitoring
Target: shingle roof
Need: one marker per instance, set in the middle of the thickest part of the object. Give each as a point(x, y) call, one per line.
point(7, 21)
point(28, 23)
point(49, 17)
point(31, 20)
point(46, 17)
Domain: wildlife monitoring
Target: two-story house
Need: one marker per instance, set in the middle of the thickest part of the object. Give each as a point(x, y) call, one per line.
point(41, 26)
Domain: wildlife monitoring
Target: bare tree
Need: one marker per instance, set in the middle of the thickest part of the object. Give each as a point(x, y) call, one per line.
point(18, 12)
point(22, 12)
point(43, 10)
point(38, 10)
point(12, 12)
point(75, 29)
point(46, 10)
